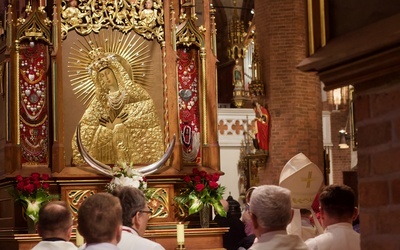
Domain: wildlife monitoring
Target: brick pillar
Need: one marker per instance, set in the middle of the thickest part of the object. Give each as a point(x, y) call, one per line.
point(378, 123)
point(293, 97)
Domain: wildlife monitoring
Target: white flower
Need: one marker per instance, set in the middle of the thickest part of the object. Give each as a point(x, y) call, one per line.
point(126, 181)
point(126, 175)
point(130, 172)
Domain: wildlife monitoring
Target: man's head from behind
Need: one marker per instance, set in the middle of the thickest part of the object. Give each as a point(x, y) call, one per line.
point(337, 204)
point(100, 219)
point(55, 221)
point(270, 208)
point(135, 213)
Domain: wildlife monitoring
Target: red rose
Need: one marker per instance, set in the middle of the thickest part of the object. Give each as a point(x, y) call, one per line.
point(195, 171)
point(36, 183)
point(35, 176)
point(213, 185)
point(45, 177)
point(19, 178)
point(203, 173)
point(45, 185)
point(216, 176)
point(29, 188)
point(20, 186)
point(187, 179)
point(199, 187)
point(197, 179)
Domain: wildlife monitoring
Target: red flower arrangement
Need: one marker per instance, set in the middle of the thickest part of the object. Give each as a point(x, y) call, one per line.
point(32, 192)
point(202, 189)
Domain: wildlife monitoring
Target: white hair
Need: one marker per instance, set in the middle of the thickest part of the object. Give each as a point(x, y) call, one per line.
point(272, 206)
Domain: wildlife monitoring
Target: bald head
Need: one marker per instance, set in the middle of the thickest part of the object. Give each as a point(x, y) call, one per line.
point(55, 220)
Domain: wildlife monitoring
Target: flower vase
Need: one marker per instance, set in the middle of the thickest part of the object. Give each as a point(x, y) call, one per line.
point(31, 225)
point(204, 214)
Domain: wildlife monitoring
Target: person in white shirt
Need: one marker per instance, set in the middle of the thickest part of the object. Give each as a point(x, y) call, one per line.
point(337, 208)
point(100, 222)
point(55, 227)
point(135, 216)
point(271, 211)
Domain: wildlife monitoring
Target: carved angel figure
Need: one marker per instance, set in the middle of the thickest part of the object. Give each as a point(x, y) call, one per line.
point(148, 15)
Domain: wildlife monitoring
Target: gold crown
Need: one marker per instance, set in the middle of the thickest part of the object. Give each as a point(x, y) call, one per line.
point(100, 59)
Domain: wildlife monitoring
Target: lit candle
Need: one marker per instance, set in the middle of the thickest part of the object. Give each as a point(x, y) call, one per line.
point(79, 239)
point(180, 233)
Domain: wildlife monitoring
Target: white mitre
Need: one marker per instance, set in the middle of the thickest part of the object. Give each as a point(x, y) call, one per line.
point(304, 180)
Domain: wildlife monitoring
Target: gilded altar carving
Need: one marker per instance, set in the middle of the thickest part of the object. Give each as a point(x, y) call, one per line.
point(120, 123)
point(75, 197)
point(145, 17)
point(158, 202)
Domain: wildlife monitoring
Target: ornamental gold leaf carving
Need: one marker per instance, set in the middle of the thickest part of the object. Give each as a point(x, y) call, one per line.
point(145, 17)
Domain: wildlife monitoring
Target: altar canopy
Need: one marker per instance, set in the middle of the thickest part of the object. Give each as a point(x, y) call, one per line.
point(131, 75)
point(113, 75)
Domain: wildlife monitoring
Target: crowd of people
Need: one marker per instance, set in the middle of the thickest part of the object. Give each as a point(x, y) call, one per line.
point(106, 222)
point(269, 212)
point(272, 218)
point(119, 220)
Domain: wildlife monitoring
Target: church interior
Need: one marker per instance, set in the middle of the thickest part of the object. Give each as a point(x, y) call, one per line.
point(230, 87)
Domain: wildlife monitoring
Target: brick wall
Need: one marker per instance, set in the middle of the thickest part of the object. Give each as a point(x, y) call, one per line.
point(378, 123)
point(293, 97)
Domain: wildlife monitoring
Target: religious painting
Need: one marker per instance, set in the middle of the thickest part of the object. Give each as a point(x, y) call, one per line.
point(117, 80)
point(115, 88)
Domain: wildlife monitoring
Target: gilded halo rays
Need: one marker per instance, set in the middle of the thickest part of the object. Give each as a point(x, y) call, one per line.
point(131, 47)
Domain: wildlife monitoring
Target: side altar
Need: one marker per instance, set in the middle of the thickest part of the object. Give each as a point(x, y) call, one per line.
point(87, 85)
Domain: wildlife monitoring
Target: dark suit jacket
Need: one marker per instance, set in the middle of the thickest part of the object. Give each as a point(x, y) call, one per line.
point(236, 231)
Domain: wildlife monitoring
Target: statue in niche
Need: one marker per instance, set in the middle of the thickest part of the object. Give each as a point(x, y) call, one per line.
point(120, 123)
point(261, 127)
point(237, 76)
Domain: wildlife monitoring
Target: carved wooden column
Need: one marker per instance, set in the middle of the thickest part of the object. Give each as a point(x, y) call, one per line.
point(58, 161)
point(12, 149)
point(211, 155)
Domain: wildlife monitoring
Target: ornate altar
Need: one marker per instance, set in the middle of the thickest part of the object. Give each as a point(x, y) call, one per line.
point(252, 161)
point(52, 81)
